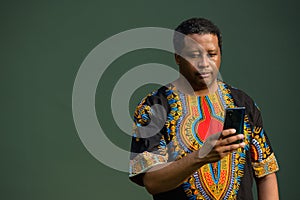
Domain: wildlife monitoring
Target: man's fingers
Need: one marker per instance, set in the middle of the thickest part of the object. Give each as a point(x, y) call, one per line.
point(227, 132)
point(233, 147)
point(217, 145)
point(231, 139)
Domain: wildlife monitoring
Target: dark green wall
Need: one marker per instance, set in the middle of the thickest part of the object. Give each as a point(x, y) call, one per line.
point(43, 44)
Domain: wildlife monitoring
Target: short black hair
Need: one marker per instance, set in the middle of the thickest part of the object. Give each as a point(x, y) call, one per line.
point(192, 26)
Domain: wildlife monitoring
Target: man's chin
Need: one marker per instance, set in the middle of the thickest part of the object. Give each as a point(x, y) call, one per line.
point(205, 83)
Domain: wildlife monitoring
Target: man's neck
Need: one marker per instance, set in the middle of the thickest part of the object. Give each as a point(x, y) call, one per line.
point(208, 90)
point(185, 87)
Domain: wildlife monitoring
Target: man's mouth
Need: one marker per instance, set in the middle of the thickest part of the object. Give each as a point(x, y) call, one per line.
point(204, 74)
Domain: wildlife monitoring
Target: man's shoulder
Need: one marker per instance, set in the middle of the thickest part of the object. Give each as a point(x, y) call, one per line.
point(242, 99)
point(158, 94)
point(239, 96)
point(148, 105)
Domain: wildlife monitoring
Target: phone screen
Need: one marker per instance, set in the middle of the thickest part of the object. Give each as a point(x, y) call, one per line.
point(234, 118)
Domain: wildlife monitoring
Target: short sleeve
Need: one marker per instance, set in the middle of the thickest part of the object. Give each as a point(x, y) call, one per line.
point(263, 158)
point(148, 145)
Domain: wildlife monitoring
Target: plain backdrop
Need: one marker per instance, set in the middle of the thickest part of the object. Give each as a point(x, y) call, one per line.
point(43, 44)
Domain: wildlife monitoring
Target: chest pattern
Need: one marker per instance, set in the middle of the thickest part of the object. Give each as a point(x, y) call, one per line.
point(196, 119)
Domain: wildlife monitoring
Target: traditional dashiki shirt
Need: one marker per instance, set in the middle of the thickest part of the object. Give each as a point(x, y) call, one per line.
point(182, 123)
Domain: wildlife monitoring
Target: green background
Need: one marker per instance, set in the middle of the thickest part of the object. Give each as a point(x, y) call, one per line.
point(43, 44)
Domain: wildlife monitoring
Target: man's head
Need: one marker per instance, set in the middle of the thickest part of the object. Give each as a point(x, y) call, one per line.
point(195, 26)
point(197, 44)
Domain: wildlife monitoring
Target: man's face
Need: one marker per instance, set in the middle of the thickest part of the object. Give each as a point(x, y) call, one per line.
point(200, 60)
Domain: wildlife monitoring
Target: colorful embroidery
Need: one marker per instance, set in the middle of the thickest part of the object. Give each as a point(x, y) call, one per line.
point(144, 161)
point(265, 167)
point(219, 180)
point(264, 161)
point(260, 148)
point(142, 113)
point(186, 128)
point(174, 114)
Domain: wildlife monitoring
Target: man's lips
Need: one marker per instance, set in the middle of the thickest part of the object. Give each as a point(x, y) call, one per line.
point(204, 74)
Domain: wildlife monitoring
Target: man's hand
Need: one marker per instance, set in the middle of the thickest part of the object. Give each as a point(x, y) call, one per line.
point(218, 145)
point(168, 176)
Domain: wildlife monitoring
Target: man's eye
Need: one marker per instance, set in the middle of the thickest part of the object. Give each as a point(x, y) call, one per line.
point(212, 54)
point(195, 55)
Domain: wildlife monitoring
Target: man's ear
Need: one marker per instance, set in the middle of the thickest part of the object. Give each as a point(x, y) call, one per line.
point(177, 58)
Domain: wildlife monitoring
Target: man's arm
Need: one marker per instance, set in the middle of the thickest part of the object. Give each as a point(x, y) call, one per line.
point(166, 177)
point(267, 187)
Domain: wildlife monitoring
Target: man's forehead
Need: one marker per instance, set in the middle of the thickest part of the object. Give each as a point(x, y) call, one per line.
point(200, 38)
point(200, 41)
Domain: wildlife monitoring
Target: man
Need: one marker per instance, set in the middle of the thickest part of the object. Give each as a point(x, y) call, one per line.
point(179, 148)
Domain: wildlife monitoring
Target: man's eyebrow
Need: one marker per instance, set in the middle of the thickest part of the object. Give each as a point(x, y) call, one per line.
point(194, 50)
point(212, 50)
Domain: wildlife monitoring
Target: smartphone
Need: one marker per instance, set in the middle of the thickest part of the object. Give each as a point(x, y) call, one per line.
point(234, 118)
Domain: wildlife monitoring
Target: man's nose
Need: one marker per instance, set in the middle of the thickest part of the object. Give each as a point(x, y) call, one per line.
point(203, 61)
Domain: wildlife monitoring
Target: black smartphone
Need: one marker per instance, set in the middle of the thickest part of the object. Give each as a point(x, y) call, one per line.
point(234, 118)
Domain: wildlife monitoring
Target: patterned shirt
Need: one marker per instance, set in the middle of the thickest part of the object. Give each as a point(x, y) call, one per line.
point(169, 125)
